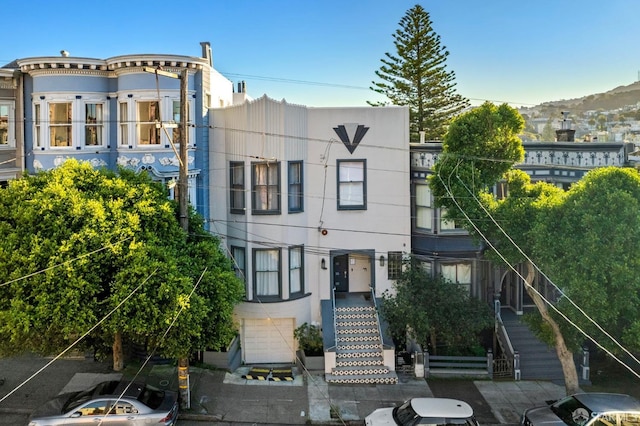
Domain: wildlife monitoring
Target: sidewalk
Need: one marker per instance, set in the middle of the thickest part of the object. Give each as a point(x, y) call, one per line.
point(227, 398)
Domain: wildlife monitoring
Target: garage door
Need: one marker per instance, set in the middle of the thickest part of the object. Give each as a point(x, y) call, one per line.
point(268, 341)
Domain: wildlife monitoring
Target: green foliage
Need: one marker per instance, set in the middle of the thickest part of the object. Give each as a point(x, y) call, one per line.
point(76, 241)
point(309, 339)
point(432, 309)
point(595, 254)
point(416, 76)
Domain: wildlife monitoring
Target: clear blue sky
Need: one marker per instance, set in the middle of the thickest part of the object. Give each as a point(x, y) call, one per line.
point(325, 53)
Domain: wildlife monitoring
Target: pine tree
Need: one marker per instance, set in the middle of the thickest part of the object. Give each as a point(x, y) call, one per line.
point(417, 77)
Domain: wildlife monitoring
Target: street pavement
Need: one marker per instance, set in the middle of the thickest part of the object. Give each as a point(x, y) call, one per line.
point(223, 398)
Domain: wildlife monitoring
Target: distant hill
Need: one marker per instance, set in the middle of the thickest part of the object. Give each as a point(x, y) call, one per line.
point(616, 98)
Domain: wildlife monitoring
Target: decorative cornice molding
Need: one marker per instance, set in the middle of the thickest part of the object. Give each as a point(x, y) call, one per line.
point(70, 71)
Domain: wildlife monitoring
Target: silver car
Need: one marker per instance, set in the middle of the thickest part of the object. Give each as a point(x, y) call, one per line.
point(424, 411)
point(586, 409)
point(112, 403)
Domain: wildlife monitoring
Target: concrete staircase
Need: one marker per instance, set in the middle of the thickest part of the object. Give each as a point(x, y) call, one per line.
point(359, 356)
point(537, 360)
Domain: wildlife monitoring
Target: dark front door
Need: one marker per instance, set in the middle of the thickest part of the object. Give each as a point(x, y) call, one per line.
point(341, 273)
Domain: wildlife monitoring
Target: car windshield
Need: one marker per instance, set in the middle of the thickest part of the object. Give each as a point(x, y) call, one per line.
point(79, 398)
point(405, 415)
point(571, 411)
point(151, 397)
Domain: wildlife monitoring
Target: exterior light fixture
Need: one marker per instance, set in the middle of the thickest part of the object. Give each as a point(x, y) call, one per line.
point(381, 260)
point(323, 264)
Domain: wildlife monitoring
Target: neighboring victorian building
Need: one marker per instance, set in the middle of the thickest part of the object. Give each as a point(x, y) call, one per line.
point(108, 112)
point(444, 248)
point(11, 135)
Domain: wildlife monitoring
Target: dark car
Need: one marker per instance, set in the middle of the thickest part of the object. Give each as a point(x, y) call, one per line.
point(586, 409)
point(113, 402)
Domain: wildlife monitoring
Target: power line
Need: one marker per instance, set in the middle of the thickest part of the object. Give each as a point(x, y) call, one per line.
point(79, 338)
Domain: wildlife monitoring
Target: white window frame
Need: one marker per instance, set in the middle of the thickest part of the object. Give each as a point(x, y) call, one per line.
point(10, 124)
point(447, 225)
point(129, 123)
point(42, 125)
point(98, 125)
point(424, 207)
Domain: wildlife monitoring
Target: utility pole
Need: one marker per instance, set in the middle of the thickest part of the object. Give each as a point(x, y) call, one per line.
point(183, 206)
point(183, 202)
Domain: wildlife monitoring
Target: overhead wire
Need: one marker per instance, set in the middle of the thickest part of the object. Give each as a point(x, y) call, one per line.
point(79, 338)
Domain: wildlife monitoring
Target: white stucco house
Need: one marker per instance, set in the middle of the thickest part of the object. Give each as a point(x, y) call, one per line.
point(308, 201)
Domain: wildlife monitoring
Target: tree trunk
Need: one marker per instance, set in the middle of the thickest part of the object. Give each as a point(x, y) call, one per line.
point(565, 356)
point(432, 338)
point(118, 357)
point(183, 383)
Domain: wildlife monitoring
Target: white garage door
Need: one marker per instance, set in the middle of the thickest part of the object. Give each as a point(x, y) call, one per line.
point(268, 341)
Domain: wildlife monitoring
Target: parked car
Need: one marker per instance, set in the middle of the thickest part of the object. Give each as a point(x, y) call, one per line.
point(586, 409)
point(431, 411)
point(116, 402)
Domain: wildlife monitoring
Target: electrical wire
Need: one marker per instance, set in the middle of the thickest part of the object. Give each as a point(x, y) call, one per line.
point(79, 338)
point(64, 263)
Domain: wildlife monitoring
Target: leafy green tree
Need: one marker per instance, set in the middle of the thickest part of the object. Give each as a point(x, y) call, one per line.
point(595, 254)
point(583, 239)
point(77, 243)
point(417, 77)
point(428, 309)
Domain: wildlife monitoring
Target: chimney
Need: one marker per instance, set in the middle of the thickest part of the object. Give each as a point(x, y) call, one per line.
point(64, 53)
point(206, 52)
point(565, 134)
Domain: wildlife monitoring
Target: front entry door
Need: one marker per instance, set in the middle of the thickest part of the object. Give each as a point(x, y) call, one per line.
point(341, 273)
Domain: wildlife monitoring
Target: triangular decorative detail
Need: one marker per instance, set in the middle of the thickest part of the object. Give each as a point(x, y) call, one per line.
point(351, 134)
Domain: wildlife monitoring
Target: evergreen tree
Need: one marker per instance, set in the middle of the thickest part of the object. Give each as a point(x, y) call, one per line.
point(417, 77)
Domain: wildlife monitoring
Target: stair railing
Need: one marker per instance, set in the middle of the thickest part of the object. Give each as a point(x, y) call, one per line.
point(375, 307)
point(335, 317)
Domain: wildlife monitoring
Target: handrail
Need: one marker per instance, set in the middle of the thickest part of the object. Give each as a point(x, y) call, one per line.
point(375, 307)
point(335, 321)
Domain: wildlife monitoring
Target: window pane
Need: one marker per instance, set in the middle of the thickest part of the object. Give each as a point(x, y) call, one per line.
point(266, 188)
point(295, 269)
point(93, 124)
point(60, 124)
point(295, 187)
point(4, 124)
point(267, 273)
point(148, 116)
point(351, 194)
point(124, 124)
point(237, 187)
point(351, 184)
point(424, 218)
point(423, 195)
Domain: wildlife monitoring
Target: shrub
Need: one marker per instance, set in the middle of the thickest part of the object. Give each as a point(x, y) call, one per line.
point(309, 338)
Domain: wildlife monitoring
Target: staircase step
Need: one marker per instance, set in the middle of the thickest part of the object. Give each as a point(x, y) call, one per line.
point(351, 339)
point(363, 361)
point(360, 370)
point(391, 378)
